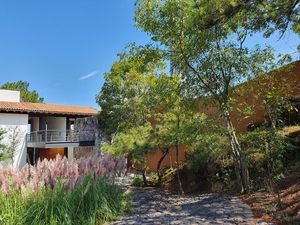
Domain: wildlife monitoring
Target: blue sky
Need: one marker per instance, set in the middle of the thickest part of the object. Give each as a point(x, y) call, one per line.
point(63, 47)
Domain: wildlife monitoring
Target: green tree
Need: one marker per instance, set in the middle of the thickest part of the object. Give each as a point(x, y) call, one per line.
point(26, 94)
point(175, 117)
point(273, 85)
point(15, 136)
point(134, 142)
point(138, 90)
point(212, 59)
point(129, 78)
point(265, 16)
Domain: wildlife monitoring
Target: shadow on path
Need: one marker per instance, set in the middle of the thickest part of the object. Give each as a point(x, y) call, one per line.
point(150, 206)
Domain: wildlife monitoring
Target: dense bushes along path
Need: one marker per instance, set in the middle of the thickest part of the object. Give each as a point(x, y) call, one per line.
point(150, 206)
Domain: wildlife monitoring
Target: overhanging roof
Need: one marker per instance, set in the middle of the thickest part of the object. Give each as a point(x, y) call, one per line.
point(41, 108)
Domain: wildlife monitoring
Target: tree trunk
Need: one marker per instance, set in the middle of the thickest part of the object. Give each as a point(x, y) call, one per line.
point(177, 171)
point(177, 162)
point(272, 184)
point(240, 163)
point(144, 177)
point(158, 170)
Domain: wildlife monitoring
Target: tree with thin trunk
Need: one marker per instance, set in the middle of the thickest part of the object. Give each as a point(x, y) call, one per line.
point(205, 41)
point(138, 90)
point(273, 85)
point(15, 139)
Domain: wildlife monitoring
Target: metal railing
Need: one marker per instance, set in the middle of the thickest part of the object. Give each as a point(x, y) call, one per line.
point(48, 136)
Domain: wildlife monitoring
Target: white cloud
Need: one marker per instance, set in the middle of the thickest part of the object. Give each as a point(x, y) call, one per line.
point(89, 75)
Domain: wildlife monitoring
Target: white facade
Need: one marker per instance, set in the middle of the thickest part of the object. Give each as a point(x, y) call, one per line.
point(15, 127)
point(9, 96)
point(56, 123)
point(44, 132)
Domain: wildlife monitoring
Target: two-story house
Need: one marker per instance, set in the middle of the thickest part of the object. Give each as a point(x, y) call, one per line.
point(38, 131)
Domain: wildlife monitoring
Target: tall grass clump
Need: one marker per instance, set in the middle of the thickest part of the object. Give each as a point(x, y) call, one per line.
point(62, 192)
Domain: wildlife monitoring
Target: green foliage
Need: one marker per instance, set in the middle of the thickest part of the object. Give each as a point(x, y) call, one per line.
point(169, 171)
point(137, 181)
point(135, 141)
point(23, 87)
point(266, 151)
point(89, 204)
point(267, 16)
point(207, 149)
point(125, 85)
point(153, 178)
point(205, 41)
point(141, 91)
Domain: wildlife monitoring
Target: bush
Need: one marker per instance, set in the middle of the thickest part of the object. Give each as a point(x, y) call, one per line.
point(62, 192)
point(153, 178)
point(207, 150)
point(265, 150)
point(137, 181)
point(48, 173)
point(93, 202)
point(268, 154)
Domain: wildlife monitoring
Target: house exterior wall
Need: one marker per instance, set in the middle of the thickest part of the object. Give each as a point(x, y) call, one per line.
point(35, 124)
point(88, 129)
point(9, 96)
point(56, 123)
point(19, 123)
point(40, 121)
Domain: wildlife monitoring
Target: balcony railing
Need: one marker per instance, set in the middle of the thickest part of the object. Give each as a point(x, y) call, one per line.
point(50, 136)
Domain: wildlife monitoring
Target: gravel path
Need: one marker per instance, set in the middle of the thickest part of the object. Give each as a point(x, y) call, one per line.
point(150, 206)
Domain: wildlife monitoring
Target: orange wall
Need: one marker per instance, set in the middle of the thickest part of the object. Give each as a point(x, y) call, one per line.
point(169, 160)
point(240, 123)
point(291, 79)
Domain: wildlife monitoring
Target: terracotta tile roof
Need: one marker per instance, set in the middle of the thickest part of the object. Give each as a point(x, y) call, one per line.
point(40, 108)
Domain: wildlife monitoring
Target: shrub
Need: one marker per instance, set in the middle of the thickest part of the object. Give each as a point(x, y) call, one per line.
point(93, 202)
point(207, 150)
point(48, 173)
point(62, 192)
point(265, 151)
point(137, 181)
point(153, 178)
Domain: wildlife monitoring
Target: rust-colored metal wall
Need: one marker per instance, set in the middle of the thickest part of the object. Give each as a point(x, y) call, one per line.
point(169, 160)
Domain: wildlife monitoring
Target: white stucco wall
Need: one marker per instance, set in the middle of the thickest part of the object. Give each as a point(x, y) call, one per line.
point(19, 123)
point(9, 96)
point(70, 154)
point(56, 123)
point(35, 123)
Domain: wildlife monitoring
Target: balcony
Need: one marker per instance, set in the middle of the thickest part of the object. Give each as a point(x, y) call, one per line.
point(57, 138)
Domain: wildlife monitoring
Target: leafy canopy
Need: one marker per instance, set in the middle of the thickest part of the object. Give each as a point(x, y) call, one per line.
point(127, 82)
point(265, 16)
